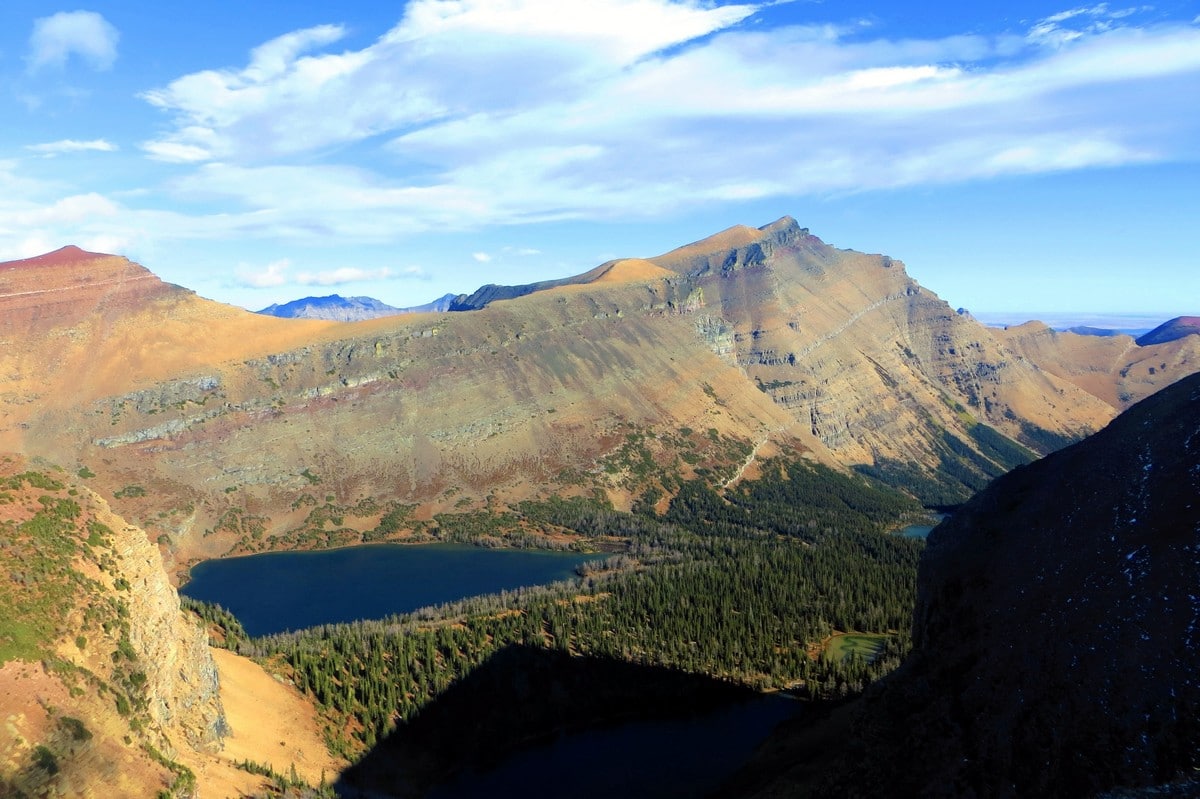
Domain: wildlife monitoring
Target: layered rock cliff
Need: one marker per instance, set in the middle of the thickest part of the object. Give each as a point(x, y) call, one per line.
point(873, 363)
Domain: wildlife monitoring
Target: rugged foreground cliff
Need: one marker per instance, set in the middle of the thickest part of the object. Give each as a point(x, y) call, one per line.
point(1056, 632)
point(103, 680)
point(106, 687)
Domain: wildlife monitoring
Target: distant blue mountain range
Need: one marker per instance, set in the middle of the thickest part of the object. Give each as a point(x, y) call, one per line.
point(348, 309)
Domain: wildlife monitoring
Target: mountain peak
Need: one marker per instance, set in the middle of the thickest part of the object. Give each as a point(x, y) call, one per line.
point(783, 223)
point(66, 286)
point(334, 308)
point(63, 255)
point(1171, 330)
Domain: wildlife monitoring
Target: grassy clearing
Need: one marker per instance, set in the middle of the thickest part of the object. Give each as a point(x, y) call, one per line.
point(868, 646)
point(19, 640)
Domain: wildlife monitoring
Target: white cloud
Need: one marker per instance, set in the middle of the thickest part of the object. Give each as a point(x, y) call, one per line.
point(269, 276)
point(481, 257)
point(51, 149)
point(462, 117)
point(343, 275)
point(278, 273)
point(85, 34)
point(67, 211)
point(1085, 20)
point(175, 152)
point(445, 58)
point(117, 245)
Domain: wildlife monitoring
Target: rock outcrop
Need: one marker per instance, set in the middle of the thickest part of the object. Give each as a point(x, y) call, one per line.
point(182, 691)
point(107, 682)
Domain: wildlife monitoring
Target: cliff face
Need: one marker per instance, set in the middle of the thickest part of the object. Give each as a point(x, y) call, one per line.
point(873, 364)
point(100, 669)
point(1057, 624)
point(181, 689)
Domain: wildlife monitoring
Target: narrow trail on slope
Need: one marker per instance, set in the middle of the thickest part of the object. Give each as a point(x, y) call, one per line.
point(746, 463)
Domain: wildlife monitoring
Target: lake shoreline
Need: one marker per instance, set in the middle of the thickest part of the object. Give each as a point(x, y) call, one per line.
point(276, 592)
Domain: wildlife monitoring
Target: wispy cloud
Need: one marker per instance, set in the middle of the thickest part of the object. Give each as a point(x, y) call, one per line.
point(84, 34)
point(481, 257)
point(268, 276)
point(63, 146)
point(343, 275)
point(278, 273)
point(445, 59)
point(514, 112)
point(1057, 30)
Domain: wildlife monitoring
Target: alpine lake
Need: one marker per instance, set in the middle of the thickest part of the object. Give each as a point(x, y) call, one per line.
point(279, 591)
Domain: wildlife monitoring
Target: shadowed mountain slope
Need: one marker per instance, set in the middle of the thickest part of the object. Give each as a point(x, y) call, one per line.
point(1056, 627)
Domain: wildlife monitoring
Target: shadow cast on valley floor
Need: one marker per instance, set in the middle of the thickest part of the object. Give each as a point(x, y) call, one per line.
point(520, 697)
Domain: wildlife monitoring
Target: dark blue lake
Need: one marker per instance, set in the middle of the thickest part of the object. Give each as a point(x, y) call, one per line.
point(281, 591)
point(664, 759)
point(922, 530)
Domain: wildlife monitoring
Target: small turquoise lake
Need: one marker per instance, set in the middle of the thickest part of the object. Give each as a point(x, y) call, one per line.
point(280, 591)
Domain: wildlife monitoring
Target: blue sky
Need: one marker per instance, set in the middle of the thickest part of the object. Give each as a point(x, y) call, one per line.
point(1024, 157)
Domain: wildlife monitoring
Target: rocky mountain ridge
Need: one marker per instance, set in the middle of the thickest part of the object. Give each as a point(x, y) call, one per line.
point(1117, 369)
point(755, 341)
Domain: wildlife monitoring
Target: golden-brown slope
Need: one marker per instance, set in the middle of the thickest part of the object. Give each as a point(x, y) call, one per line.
point(525, 397)
point(1113, 368)
point(865, 356)
point(75, 326)
point(216, 427)
point(627, 270)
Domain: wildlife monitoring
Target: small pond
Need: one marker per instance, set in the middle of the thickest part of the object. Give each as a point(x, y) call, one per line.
point(923, 530)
